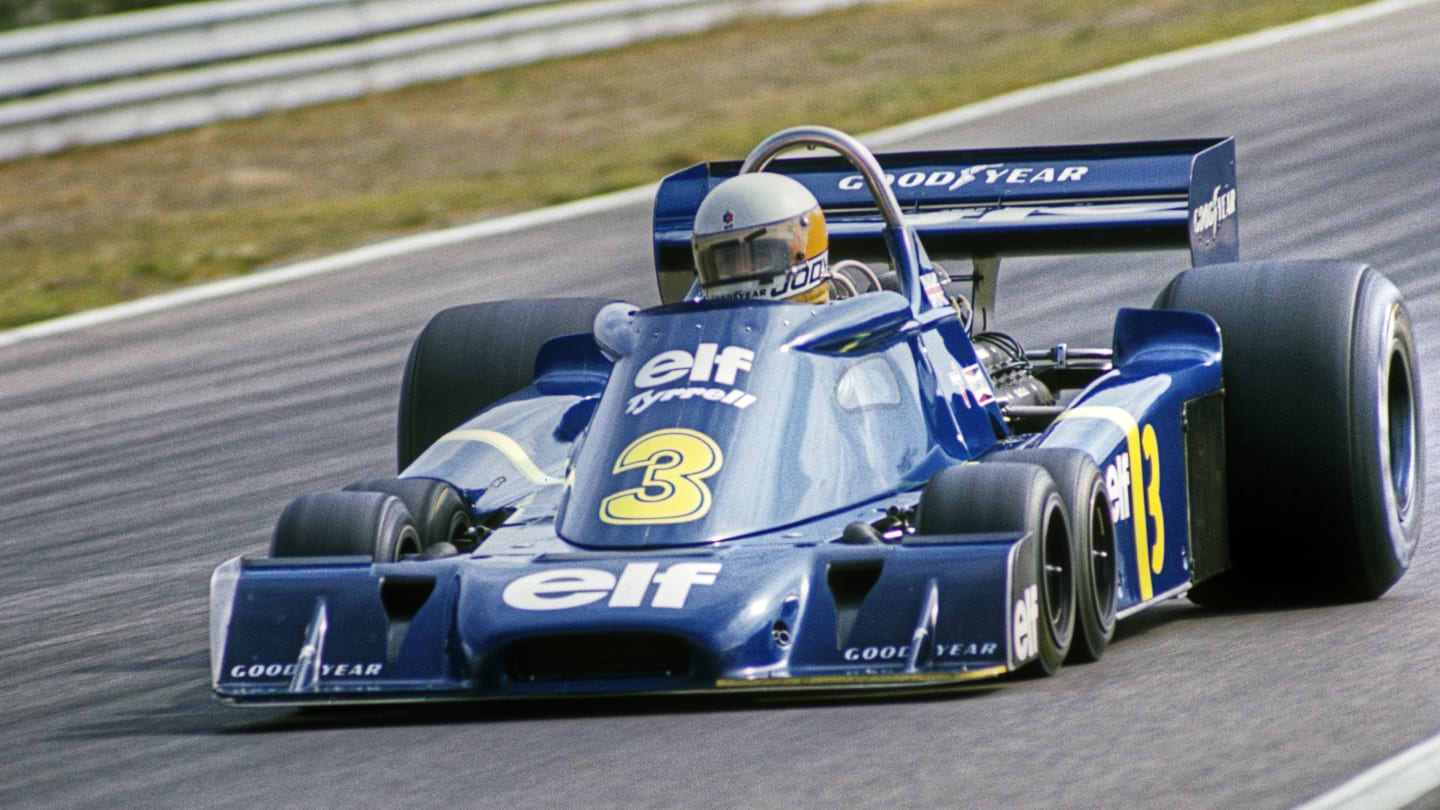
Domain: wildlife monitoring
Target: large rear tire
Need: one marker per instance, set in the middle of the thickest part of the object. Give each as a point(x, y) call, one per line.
point(1323, 429)
point(470, 356)
point(1013, 497)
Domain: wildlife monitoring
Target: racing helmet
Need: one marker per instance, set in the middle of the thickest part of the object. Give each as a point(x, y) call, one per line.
point(762, 235)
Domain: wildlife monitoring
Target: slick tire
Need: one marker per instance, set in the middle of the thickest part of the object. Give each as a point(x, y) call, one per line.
point(1092, 534)
point(468, 357)
point(440, 515)
point(1015, 498)
point(1323, 429)
point(323, 524)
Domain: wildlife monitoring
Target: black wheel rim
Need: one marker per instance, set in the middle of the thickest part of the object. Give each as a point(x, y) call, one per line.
point(1102, 560)
point(1058, 582)
point(1400, 429)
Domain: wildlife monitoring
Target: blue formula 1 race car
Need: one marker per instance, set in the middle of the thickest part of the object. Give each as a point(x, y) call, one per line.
point(741, 494)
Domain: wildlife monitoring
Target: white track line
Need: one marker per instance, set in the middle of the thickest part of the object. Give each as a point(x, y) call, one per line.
point(426, 241)
point(1390, 785)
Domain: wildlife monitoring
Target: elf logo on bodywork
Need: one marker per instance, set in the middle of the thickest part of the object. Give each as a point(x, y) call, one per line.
point(1117, 487)
point(1132, 483)
point(1208, 216)
point(709, 364)
point(990, 174)
point(1027, 624)
point(565, 588)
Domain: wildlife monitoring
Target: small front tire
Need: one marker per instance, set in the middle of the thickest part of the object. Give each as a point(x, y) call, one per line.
point(1097, 576)
point(439, 512)
point(1014, 498)
point(323, 524)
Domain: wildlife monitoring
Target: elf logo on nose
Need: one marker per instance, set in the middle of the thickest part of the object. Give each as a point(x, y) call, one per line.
point(564, 588)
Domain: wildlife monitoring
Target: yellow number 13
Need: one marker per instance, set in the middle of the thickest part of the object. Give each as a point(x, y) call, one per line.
point(676, 461)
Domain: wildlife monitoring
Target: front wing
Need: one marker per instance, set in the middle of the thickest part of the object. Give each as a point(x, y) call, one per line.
point(931, 610)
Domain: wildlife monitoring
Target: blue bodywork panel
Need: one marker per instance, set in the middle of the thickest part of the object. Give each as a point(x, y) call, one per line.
point(1131, 421)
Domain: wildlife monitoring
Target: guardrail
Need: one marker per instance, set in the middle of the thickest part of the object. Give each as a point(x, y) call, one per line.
point(130, 75)
point(53, 57)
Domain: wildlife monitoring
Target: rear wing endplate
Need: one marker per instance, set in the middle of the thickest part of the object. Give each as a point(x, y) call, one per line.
point(988, 203)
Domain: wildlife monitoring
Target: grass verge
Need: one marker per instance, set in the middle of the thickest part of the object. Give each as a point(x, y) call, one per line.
point(95, 226)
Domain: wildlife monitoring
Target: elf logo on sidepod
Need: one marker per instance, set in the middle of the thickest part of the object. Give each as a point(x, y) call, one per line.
point(564, 588)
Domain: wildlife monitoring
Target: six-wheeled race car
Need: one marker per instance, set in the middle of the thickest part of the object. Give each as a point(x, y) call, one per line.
point(740, 494)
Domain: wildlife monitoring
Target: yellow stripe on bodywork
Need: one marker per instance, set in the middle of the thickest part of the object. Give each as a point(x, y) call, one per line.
point(508, 447)
point(1123, 419)
point(862, 680)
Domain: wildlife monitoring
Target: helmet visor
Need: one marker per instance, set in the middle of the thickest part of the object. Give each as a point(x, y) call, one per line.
point(760, 253)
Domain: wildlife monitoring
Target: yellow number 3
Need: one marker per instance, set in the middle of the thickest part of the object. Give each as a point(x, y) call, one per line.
point(675, 461)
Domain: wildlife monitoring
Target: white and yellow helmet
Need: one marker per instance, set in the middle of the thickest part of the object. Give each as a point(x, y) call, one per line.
point(762, 235)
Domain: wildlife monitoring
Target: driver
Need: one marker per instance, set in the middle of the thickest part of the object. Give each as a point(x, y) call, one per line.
point(762, 235)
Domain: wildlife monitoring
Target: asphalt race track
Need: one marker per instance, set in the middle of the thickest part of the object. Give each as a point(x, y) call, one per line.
point(136, 456)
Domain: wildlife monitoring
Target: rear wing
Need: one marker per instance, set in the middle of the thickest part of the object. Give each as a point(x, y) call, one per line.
point(987, 203)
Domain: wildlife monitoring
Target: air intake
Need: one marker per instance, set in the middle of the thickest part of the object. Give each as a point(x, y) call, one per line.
point(608, 657)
